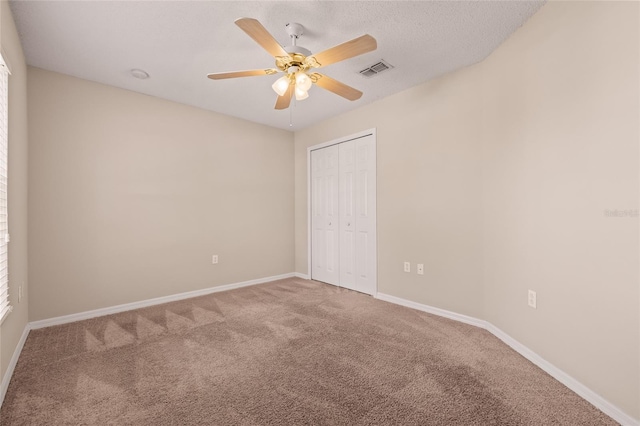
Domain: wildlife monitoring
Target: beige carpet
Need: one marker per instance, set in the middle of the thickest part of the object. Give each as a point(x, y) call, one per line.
point(287, 352)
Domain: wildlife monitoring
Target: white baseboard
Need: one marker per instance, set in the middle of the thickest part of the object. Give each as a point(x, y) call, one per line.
point(432, 310)
point(599, 402)
point(150, 302)
point(4, 385)
point(596, 400)
point(303, 276)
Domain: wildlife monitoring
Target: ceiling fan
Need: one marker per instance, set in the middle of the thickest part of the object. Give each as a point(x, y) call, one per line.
point(297, 62)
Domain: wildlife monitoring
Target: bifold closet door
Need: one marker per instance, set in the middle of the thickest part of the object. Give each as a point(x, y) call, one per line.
point(358, 214)
point(324, 221)
point(343, 214)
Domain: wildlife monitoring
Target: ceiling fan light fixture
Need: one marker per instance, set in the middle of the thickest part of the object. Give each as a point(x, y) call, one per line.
point(301, 94)
point(303, 81)
point(281, 85)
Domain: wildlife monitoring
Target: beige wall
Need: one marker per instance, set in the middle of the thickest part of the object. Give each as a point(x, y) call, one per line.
point(130, 196)
point(14, 325)
point(497, 178)
point(561, 119)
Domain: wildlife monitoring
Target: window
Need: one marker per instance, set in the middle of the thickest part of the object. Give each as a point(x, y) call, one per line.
point(5, 307)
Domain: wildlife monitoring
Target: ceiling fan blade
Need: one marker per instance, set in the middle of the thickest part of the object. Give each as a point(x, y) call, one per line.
point(236, 74)
point(256, 31)
point(336, 87)
point(355, 47)
point(283, 101)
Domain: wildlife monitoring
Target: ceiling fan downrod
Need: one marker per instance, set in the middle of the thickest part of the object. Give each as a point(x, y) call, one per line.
point(294, 30)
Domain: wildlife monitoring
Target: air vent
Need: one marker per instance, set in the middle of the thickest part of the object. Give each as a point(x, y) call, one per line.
point(376, 68)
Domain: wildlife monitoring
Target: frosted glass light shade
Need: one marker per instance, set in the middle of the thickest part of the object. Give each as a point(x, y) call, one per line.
point(303, 81)
point(301, 94)
point(281, 85)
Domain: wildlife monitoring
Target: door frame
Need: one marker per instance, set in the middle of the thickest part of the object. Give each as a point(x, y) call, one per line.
point(362, 134)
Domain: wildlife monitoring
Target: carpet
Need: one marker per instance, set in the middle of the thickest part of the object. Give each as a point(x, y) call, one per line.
point(291, 352)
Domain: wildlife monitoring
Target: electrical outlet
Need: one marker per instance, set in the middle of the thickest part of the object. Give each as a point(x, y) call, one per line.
point(407, 267)
point(420, 268)
point(532, 299)
point(214, 259)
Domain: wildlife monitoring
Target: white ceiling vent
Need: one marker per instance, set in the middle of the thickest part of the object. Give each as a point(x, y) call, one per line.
point(376, 68)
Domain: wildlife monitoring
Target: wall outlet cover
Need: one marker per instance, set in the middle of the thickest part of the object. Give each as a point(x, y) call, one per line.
point(532, 299)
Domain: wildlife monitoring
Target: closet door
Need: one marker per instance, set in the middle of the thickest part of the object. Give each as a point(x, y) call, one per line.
point(365, 215)
point(348, 214)
point(358, 215)
point(343, 214)
point(324, 220)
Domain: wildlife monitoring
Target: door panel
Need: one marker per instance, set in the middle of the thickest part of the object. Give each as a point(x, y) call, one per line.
point(362, 249)
point(366, 261)
point(325, 241)
point(347, 215)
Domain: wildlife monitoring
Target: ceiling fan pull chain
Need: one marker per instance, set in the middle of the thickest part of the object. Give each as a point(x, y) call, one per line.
point(290, 116)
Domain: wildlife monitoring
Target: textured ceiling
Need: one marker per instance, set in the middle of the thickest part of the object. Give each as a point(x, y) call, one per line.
point(179, 42)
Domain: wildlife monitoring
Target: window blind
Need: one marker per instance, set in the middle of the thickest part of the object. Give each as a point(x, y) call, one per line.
point(5, 307)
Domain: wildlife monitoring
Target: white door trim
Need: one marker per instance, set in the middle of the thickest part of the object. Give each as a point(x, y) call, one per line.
point(358, 135)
